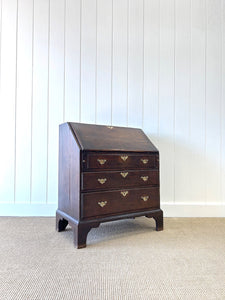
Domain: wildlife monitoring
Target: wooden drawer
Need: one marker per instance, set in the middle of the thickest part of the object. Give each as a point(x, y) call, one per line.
point(121, 201)
point(124, 161)
point(119, 179)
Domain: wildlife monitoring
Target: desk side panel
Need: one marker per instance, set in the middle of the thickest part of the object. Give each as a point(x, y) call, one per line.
point(69, 173)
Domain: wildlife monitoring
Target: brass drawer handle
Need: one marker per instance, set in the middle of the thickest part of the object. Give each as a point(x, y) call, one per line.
point(110, 127)
point(124, 174)
point(144, 178)
point(101, 161)
point(124, 193)
point(102, 203)
point(124, 157)
point(102, 180)
point(145, 198)
point(144, 160)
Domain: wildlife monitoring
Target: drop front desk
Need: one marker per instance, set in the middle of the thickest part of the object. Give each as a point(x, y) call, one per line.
point(105, 173)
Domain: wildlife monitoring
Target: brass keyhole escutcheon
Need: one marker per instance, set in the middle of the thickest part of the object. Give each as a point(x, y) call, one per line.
point(102, 203)
point(102, 180)
point(145, 198)
point(124, 157)
point(124, 174)
point(144, 178)
point(124, 193)
point(101, 161)
point(144, 160)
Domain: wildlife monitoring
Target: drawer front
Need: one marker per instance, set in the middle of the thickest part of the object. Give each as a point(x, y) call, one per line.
point(120, 179)
point(121, 201)
point(120, 161)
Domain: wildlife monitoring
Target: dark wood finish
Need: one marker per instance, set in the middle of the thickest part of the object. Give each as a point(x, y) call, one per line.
point(105, 174)
point(124, 179)
point(116, 203)
point(80, 232)
point(61, 224)
point(69, 173)
point(158, 217)
point(107, 138)
point(115, 161)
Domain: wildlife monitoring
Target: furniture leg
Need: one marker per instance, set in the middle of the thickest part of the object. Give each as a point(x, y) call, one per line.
point(158, 220)
point(80, 232)
point(61, 223)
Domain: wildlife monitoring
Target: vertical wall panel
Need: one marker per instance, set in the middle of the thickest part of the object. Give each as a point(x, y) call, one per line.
point(197, 103)
point(166, 100)
point(182, 100)
point(0, 31)
point(72, 60)
point(213, 100)
point(135, 63)
point(88, 61)
point(7, 99)
point(24, 100)
point(56, 93)
point(151, 68)
point(153, 64)
point(222, 179)
point(120, 56)
point(40, 101)
point(104, 62)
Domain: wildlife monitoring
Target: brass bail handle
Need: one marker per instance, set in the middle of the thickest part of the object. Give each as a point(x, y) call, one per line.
point(124, 157)
point(124, 174)
point(144, 160)
point(101, 161)
point(124, 193)
point(102, 180)
point(102, 203)
point(144, 178)
point(145, 198)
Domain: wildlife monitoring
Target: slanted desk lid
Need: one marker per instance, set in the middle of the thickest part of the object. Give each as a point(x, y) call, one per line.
point(107, 138)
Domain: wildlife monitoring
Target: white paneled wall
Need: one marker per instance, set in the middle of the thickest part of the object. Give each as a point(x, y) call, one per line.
point(154, 64)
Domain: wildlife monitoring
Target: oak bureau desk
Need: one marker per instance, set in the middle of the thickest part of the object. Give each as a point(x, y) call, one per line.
point(106, 173)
